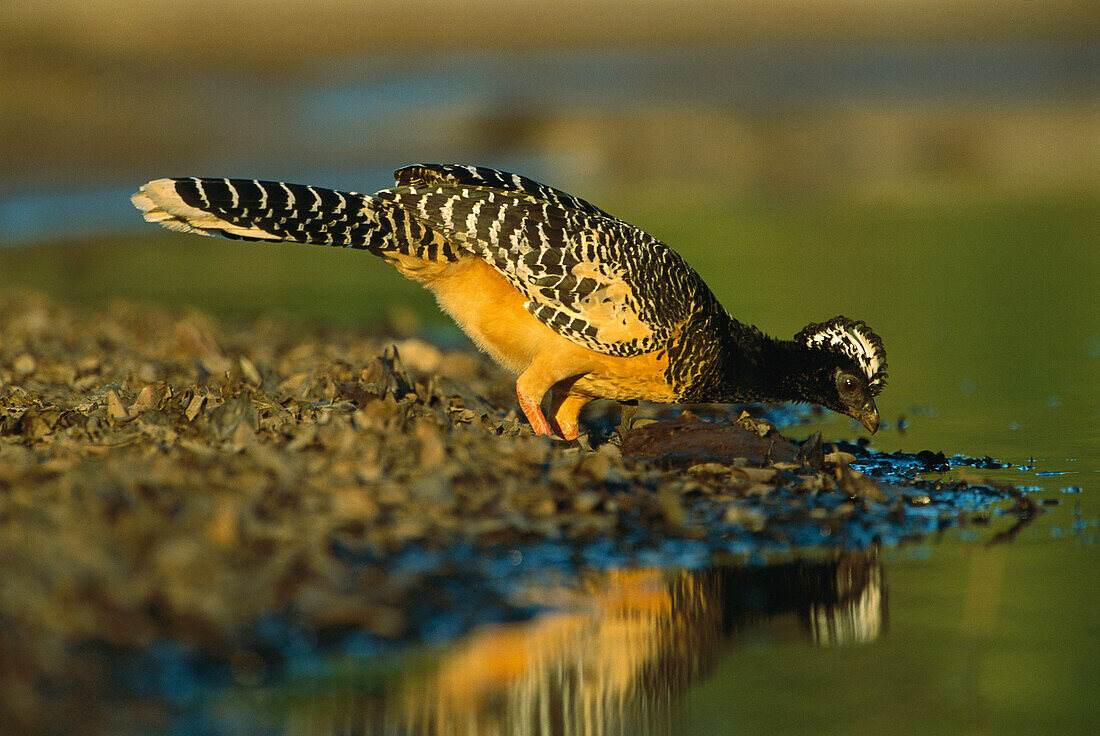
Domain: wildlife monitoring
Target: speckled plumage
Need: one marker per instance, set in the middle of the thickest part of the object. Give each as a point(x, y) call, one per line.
point(601, 284)
point(567, 257)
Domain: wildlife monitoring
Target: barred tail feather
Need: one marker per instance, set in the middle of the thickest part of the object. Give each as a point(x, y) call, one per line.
point(159, 202)
point(248, 209)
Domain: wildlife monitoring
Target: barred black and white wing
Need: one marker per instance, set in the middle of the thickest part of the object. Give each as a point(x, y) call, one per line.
point(592, 278)
point(248, 209)
point(479, 177)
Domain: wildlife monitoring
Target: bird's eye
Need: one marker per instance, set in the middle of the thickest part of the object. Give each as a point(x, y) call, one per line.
point(847, 383)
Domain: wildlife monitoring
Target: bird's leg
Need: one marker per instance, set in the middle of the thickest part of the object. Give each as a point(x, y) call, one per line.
point(565, 409)
point(531, 386)
point(546, 370)
point(626, 416)
point(533, 412)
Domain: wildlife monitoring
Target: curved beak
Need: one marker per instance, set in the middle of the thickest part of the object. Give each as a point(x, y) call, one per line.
point(868, 416)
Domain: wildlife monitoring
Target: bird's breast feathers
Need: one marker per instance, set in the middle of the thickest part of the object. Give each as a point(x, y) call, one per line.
point(495, 315)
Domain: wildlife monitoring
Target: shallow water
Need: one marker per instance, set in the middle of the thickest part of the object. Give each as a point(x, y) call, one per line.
point(954, 620)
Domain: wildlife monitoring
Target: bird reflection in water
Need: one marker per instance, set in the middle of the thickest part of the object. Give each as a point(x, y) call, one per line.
point(623, 648)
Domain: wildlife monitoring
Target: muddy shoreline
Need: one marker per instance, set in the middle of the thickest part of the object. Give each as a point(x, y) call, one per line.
point(178, 479)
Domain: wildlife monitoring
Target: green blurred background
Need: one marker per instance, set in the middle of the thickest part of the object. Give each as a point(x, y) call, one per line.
point(930, 167)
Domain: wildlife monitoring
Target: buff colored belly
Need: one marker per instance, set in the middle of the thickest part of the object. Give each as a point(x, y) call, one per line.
point(492, 312)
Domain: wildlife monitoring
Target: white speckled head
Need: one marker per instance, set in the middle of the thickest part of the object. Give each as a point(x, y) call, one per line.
point(854, 339)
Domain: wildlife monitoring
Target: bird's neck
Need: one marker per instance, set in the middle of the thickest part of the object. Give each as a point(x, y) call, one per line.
point(762, 368)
